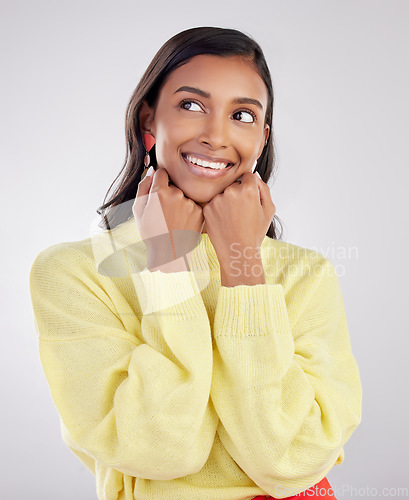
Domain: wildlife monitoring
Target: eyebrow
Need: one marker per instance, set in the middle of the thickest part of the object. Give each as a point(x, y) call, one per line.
point(202, 93)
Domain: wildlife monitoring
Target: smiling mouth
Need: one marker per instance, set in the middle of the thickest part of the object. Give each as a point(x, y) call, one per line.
point(205, 163)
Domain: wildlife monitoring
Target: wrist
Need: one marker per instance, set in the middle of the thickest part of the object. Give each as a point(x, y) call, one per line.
point(242, 272)
point(173, 266)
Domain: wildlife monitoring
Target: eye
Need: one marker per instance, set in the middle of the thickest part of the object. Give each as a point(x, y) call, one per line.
point(188, 105)
point(249, 116)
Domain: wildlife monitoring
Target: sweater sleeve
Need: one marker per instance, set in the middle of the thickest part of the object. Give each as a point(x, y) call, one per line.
point(288, 396)
point(137, 407)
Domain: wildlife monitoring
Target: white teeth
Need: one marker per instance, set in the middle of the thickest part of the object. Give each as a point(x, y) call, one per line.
point(207, 164)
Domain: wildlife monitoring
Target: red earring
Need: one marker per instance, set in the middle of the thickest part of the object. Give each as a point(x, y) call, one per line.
point(148, 142)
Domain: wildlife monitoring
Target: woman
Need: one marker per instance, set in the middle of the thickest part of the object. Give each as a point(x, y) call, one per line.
point(191, 353)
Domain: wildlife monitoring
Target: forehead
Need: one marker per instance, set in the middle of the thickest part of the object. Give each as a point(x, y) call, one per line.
point(220, 76)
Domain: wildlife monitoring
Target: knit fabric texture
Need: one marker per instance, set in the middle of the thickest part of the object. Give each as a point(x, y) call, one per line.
point(171, 386)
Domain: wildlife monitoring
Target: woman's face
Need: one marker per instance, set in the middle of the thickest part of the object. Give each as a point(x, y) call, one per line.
point(210, 109)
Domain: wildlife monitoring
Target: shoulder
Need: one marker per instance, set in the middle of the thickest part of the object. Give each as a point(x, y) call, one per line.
point(62, 257)
point(92, 255)
point(119, 237)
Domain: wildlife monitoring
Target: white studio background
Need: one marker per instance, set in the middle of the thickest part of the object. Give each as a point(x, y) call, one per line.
point(341, 80)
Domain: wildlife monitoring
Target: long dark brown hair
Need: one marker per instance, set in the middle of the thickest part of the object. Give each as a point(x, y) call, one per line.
point(176, 52)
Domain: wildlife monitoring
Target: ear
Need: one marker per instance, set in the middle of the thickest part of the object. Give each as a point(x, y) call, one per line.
point(146, 122)
point(265, 139)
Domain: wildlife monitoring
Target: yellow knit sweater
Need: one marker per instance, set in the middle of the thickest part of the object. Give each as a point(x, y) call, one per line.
point(170, 386)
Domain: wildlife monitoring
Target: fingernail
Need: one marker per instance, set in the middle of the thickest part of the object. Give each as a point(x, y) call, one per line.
point(258, 174)
point(149, 172)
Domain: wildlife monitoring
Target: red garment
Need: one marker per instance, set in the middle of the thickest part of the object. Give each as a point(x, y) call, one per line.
point(320, 491)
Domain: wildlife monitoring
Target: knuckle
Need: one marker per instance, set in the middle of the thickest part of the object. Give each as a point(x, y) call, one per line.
point(177, 193)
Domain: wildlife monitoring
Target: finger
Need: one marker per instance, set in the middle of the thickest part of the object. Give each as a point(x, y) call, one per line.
point(142, 194)
point(160, 179)
point(260, 188)
point(264, 190)
point(249, 178)
point(265, 196)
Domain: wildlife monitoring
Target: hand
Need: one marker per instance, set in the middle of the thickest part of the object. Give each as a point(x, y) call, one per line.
point(169, 223)
point(238, 219)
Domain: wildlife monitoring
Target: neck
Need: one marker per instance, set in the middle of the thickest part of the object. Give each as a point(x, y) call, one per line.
point(202, 204)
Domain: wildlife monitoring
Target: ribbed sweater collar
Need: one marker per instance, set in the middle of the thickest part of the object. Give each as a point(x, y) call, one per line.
point(128, 234)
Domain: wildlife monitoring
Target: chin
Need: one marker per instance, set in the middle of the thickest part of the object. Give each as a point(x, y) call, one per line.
point(199, 198)
point(202, 200)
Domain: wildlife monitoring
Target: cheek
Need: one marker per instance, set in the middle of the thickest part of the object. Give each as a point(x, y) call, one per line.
point(170, 139)
point(248, 146)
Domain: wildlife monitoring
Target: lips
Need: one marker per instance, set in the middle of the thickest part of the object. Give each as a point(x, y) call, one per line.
point(205, 172)
point(216, 163)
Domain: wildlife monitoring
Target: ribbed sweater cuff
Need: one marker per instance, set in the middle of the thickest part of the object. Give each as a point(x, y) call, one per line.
point(244, 311)
point(170, 293)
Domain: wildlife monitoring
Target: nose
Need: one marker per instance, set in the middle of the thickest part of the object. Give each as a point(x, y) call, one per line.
point(214, 132)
